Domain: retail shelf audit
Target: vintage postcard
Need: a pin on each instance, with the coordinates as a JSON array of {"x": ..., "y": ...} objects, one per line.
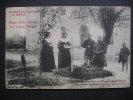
[{"x": 67, "y": 47}]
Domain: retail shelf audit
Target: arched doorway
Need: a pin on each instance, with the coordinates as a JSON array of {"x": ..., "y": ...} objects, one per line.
[{"x": 83, "y": 32}]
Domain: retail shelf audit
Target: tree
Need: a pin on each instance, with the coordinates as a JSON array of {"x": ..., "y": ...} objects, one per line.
[
  {"x": 106, "y": 17},
  {"x": 49, "y": 16},
  {"x": 109, "y": 18}
]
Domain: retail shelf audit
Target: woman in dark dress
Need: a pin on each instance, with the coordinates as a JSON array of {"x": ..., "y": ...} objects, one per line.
[
  {"x": 64, "y": 57},
  {"x": 47, "y": 55}
]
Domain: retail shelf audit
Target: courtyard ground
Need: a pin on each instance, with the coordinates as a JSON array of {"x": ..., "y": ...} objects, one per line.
[{"x": 119, "y": 78}]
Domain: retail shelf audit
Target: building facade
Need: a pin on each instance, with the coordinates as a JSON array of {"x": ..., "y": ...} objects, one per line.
[{"x": 77, "y": 30}]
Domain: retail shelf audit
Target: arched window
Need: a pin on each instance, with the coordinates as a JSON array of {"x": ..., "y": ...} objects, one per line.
[{"x": 83, "y": 32}]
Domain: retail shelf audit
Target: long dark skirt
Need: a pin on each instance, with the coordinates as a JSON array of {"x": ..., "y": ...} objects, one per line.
[
  {"x": 47, "y": 59},
  {"x": 64, "y": 58}
]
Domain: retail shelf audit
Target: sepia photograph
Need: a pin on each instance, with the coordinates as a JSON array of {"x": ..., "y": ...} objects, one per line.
[{"x": 67, "y": 47}]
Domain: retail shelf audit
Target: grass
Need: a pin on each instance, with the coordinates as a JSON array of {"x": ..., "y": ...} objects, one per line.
[
  {"x": 9, "y": 64},
  {"x": 35, "y": 81},
  {"x": 15, "y": 73}
]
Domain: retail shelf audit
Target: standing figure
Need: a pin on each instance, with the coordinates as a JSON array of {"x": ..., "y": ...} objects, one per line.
[
  {"x": 64, "y": 57},
  {"x": 99, "y": 53},
  {"x": 123, "y": 56},
  {"x": 88, "y": 45},
  {"x": 23, "y": 60},
  {"x": 47, "y": 55}
]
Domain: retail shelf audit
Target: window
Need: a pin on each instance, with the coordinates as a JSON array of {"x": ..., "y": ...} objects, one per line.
[{"x": 83, "y": 32}]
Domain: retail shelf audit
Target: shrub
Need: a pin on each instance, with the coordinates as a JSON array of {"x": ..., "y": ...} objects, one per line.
[{"x": 84, "y": 73}]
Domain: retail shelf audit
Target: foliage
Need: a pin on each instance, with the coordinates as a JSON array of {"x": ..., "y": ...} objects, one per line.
[
  {"x": 109, "y": 18},
  {"x": 16, "y": 42},
  {"x": 84, "y": 73},
  {"x": 15, "y": 73},
  {"x": 106, "y": 17},
  {"x": 49, "y": 16}
]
